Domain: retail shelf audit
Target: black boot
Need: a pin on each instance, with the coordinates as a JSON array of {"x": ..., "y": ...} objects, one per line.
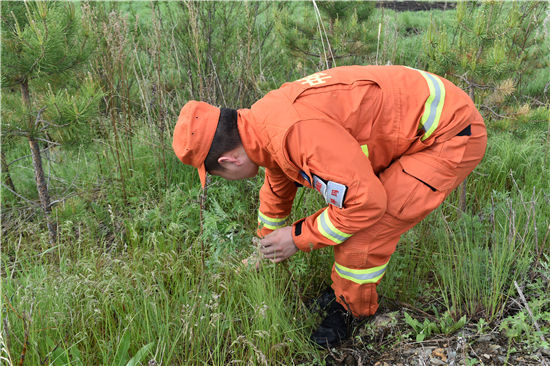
[
  {"x": 335, "y": 328},
  {"x": 323, "y": 302}
]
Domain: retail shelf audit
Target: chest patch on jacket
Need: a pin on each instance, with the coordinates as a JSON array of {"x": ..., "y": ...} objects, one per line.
[{"x": 334, "y": 193}]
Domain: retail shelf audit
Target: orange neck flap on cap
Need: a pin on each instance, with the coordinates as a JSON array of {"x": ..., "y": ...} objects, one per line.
[{"x": 193, "y": 134}]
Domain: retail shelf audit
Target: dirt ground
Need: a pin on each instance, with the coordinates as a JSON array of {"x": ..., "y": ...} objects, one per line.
[{"x": 387, "y": 339}]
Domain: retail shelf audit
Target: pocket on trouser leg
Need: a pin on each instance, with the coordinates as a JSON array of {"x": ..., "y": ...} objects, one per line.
[
  {"x": 410, "y": 198},
  {"x": 421, "y": 199},
  {"x": 438, "y": 166}
]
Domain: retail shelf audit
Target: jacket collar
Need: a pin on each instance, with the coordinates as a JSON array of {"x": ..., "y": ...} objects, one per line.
[{"x": 251, "y": 138}]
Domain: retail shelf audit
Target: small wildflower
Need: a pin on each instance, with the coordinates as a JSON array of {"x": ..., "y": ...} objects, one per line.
[{"x": 261, "y": 310}]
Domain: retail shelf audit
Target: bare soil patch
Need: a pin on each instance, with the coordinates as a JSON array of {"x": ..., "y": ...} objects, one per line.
[{"x": 387, "y": 340}]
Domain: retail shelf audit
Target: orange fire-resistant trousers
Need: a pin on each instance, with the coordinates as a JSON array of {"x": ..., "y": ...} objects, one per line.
[{"x": 409, "y": 201}]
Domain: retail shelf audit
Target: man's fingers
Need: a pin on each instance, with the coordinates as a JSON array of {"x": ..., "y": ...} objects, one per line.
[
  {"x": 269, "y": 251},
  {"x": 274, "y": 258},
  {"x": 278, "y": 245},
  {"x": 266, "y": 242},
  {"x": 267, "y": 247}
]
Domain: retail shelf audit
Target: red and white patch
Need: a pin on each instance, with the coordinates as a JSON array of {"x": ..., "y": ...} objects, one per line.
[
  {"x": 335, "y": 193},
  {"x": 319, "y": 185}
]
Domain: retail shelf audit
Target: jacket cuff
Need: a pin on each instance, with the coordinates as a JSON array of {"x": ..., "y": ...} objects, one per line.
[
  {"x": 300, "y": 239},
  {"x": 263, "y": 231}
]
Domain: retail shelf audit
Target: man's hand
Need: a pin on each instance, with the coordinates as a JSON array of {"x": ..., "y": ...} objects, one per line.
[{"x": 278, "y": 245}]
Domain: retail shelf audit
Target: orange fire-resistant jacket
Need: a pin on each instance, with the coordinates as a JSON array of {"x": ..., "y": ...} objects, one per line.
[{"x": 334, "y": 131}]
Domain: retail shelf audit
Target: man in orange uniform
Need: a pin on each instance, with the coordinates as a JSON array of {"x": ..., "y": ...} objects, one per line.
[{"x": 384, "y": 146}]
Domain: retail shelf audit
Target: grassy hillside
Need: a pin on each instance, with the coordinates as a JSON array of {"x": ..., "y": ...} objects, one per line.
[{"x": 147, "y": 268}]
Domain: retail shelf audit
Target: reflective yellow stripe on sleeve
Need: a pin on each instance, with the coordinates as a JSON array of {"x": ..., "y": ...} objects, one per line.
[
  {"x": 328, "y": 230},
  {"x": 271, "y": 223},
  {"x": 433, "y": 106},
  {"x": 361, "y": 276}
]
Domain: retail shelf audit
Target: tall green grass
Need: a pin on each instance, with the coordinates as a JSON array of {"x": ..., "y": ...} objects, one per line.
[
  {"x": 102, "y": 302},
  {"x": 477, "y": 264},
  {"x": 126, "y": 281},
  {"x": 480, "y": 255},
  {"x": 129, "y": 277}
]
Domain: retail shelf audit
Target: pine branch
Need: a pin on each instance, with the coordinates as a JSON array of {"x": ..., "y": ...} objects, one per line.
[
  {"x": 39, "y": 116},
  {"x": 18, "y": 195},
  {"x": 28, "y": 156}
]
